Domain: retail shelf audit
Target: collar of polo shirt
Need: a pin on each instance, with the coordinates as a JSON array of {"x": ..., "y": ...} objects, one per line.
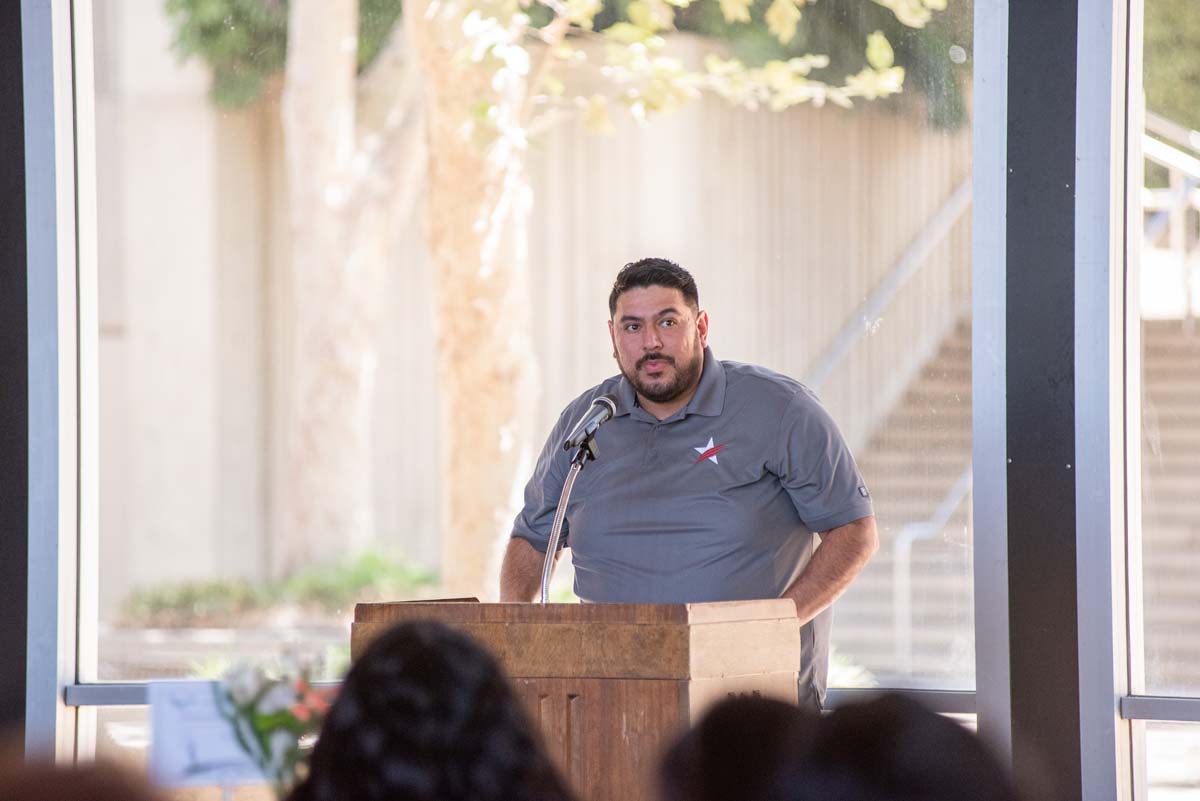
[{"x": 708, "y": 401}]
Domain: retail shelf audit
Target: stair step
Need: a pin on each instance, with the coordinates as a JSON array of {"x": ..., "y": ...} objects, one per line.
[
  {"x": 1166, "y": 537},
  {"x": 922, "y": 395},
  {"x": 955, "y": 419},
  {"x": 1174, "y": 376},
  {"x": 922, "y": 447},
  {"x": 956, "y": 441}
]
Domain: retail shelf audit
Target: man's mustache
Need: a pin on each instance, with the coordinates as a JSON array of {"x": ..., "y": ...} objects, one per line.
[{"x": 659, "y": 357}]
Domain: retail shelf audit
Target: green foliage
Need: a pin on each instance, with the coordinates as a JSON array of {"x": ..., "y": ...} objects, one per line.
[
  {"x": 329, "y": 589},
  {"x": 171, "y": 605},
  {"x": 1171, "y": 71},
  {"x": 244, "y": 42},
  {"x": 839, "y": 29},
  {"x": 275, "y": 718},
  {"x": 844, "y": 671},
  {"x": 1171, "y": 75},
  {"x": 340, "y": 585}
]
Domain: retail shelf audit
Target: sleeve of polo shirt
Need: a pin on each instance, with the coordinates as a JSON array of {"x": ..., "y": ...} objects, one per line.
[
  {"x": 536, "y": 518},
  {"x": 816, "y": 467}
]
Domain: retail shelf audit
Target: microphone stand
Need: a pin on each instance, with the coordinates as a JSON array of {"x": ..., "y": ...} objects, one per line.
[{"x": 584, "y": 454}]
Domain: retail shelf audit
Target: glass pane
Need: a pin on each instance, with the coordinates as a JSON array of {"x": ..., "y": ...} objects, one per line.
[
  {"x": 1170, "y": 292},
  {"x": 332, "y": 344},
  {"x": 1173, "y": 761},
  {"x": 904, "y": 395}
]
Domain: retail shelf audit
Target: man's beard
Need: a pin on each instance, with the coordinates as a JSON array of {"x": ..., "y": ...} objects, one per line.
[{"x": 664, "y": 393}]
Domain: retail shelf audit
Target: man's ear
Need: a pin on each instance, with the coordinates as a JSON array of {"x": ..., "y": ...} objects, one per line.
[
  {"x": 701, "y": 327},
  {"x": 612, "y": 336}
]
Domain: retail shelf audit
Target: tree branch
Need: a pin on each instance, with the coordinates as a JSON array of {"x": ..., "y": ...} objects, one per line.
[
  {"x": 319, "y": 92},
  {"x": 553, "y": 35},
  {"x": 391, "y": 128}
]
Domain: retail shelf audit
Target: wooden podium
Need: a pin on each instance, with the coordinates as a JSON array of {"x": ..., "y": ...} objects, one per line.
[{"x": 612, "y": 684}]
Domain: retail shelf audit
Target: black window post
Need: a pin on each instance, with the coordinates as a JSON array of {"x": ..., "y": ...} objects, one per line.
[{"x": 14, "y": 372}]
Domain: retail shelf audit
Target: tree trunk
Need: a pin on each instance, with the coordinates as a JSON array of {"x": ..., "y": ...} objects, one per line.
[
  {"x": 351, "y": 146},
  {"x": 328, "y": 507},
  {"x": 476, "y": 209}
]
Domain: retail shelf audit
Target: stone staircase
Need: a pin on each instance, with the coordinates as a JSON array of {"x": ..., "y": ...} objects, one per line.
[
  {"x": 921, "y": 450},
  {"x": 1171, "y": 505}
]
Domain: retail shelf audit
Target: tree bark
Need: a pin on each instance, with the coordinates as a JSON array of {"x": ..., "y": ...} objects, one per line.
[
  {"x": 476, "y": 209},
  {"x": 350, "y": 151}
]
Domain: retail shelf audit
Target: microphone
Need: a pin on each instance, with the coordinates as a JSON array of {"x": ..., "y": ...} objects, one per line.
[{"x": 600, "y": 412}]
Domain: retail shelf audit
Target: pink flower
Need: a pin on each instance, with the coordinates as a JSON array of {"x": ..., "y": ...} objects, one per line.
[
  {"x": 317, "y": 700},
  {"x": 301, "y": 712}
]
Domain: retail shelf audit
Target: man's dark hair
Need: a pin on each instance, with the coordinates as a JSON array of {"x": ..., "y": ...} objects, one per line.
[
  {"x": 425, "y": 714},
  {"x": 654, "y": 272}
]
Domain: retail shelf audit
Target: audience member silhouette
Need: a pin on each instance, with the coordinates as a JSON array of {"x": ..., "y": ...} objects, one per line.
[
  {"x": 48, "y": 782},
  {"x": 887, "y": 749},
  {"x": 739, "y": 751},
  {"x": 894, "y": 749},
  {"x": 425, "y": 714}
]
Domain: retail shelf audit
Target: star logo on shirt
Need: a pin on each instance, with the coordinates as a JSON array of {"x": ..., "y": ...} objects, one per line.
[{"x": 709, "y": 452}]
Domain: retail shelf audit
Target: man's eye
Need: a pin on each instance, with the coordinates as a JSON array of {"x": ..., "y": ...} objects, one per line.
[
  {"x": 631, "y": 327},
  {"x": 668, "y": 323}
]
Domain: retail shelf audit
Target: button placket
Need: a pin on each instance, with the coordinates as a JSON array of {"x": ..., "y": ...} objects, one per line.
[{"x": 650, "y": 454}]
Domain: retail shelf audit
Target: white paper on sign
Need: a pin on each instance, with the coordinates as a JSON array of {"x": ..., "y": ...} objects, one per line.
[{"x": 191, "y": 742}]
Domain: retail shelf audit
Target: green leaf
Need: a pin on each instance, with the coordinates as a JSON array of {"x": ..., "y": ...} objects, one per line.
[
  {"x": 913, "y": 13},
  {"x": 874, "y": 84},
  {"x": 627, "y": 33},
  {"x": 781, "y": 19},
  {"x": 583, "y": 12},
  {"x": 736, "y": 10},
  {"x": 879, "y": 51},
  {"x": 481, "y": 110},
  {"x": 595, "y": 115},
  {"x": 651, "y": 15}
]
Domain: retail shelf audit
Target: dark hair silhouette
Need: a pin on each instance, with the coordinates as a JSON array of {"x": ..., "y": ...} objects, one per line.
[
  {"x": 425, "y": 714},
  {"x": 43, "y": 781},
  {"x": 738, "y": 751},
  {"x": 654, "y": 272},
  {"x": 893, "y": 749}
]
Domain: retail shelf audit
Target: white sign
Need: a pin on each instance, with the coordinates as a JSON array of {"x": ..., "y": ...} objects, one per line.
[{"x": 192, "y": 743}]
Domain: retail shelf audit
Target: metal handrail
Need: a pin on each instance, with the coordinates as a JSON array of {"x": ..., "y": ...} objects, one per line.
[
  {"x": 902, "y": 566},
  {"x": 1168, "y": 207},
  {"x": 910, "y": 262},
  {"x": 1169, "y": 154},
  {"x": 1180, "y": 135}
]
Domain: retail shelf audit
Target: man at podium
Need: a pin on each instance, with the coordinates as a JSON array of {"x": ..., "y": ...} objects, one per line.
[{"x": 712, "y": 480}]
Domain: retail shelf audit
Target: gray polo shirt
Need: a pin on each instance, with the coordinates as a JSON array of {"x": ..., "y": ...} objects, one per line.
[{"x": 718, "y": 502}]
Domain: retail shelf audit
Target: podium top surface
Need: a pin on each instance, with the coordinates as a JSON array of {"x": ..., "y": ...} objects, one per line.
[
  {"x": 611, "y": 641},
  {"x": 629, "y": 614}
]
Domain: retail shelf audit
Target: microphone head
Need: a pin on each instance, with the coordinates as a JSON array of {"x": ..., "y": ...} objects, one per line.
[
  {"x": 608, "y": 399},
  {"x": 601, "y": 410}
]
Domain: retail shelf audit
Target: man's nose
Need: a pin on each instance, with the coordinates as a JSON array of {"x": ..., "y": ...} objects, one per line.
[{"x": 650, "y": 338}]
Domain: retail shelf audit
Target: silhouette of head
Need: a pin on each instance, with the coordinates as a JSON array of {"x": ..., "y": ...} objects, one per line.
[
  {"x": 43, "y": 781},
  {"x": 893, "y": 749},
  {"x": 738, "y": 751},
  {"x": 425, "y": 714}
]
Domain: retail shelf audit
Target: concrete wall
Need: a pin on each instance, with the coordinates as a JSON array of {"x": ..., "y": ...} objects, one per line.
[{"x": 180, "y": 205}]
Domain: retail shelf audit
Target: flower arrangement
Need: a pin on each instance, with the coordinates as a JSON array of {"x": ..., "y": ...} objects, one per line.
[{"x": 275, "y": 717}]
